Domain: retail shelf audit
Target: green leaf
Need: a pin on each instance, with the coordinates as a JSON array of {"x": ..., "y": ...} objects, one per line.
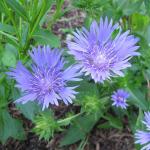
[
  {"x": 102, "y": 2},
  {"x": 24, "y": 35},
  {"x": 129, "y": 10},
  {"x": 140, "y": 126},
  {"x": 2, "y": 93},
  {"x": 64, "y": 11},
  {"x": 115, "y": 122},
  {"x": 147, "y": 34},
  {"x": 3, "y": 9},
  {"x": 28, "y": 109},
  {"x": 45, "y": 37},
  {"x": 121, "y": 4},
  {"x": 46, "y": 9},
  {"x": 87, "y": 22},
  {"x": 137, "y": 22},
  {"x": 49, "y": 4},
  {"x": 137, "y": 98},
  {"x": 75, "y": 132},
  {"x": 10, "y": 41},
  {"x": 9, "y": 59},
  {"x": 142, "y": 42},
  {"x": 7, "y": 28},
  {"x": 132, "y": 117},
  {"x": 10, "y": 127},
  {"x": 2, "y": 76},
  {"x": 17, "y": 8},
  {"x": 105, "y": 125},
  {"x": 147, "y": 6}
]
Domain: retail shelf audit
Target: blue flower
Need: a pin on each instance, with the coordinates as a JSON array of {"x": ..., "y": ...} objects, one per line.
[
  {"x": 120, "y": 98},
  {"x": 142, "y": 136},
  {"x": 47, "y": 82},
  {"x": 99, "y": 55}
]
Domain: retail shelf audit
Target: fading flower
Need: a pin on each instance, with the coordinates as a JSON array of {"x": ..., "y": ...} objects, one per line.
[
  {"x": 142, "y": 136},
  {"x": 119, "y": 98},
  {"x": 47, "y": 82},
  {"x": 69, "y": 37},
  {"x": 99, "y": 55}
]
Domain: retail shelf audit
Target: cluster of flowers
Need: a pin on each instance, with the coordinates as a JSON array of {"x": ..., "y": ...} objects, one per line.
[{"x": 97, "y": 54}]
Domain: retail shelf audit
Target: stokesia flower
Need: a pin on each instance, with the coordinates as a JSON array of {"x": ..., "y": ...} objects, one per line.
[
  {"x": 120, "y": 98},
  {"x": 142, "y": 136},
  {"x": 99, "y": 55},
  {"x": 47, "y": 82}
]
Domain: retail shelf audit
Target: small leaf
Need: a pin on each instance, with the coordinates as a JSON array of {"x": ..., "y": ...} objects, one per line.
[
  {"x": 129, "y": 10},
  {"x": 9, "y": 59},
  {"x": 87, "y": 22},
  {"x": 17, "y": 8},
  {"x": 10, "y": 127},
  {"x": 64, "y": 11},
  {"x": 7, "y": 28},
  {"x": 132, "y": 117},
  {"x": 115, "y": 122},
  {"x": 75, "y": 132},
  {"x": 2, "y": 76},
  {"x": 105, "y": 125},
  {"x": 24, "y": 35},
  {"x": 121, "y": 4},
  {"x": 137, "y": 98},
  {"x": 45, "y": 37}
]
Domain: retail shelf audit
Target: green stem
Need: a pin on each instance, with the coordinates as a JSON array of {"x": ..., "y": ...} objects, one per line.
[
  {"x": 56, "y": 14},
  {"x": 38, "y": 20},
  {"x": 92, "y": 15},
  {"x": 30, "y": 30},
  {"x": 34, "y": 12},
  {"x": 85, "y": 142},
  {"x": 130, "y": 19},
  {"x": 124, "y": 23},
  {"x": 14, "y": 24},
  {"x": 1, "y": 47},
  {"x": 20, "y": 24},
  {"x": 70, "y": 118}
]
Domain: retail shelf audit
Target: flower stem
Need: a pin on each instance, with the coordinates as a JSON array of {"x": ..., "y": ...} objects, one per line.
[{"x": 70, "y": 118}]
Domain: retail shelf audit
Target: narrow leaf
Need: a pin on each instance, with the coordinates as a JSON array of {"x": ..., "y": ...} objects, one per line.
[
  {"x": 129, "y": 10},
  {"x": 137, "y": 98},
  {"x": 45, "y": 37},
  {"x": 17, "y": 8},
  {"x": 9, "y": 59}
]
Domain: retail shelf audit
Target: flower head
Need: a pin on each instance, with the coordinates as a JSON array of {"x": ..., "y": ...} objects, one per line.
[
  {"x": 99, "y": 55},
  {"x": 142, "y": 136},
  {"x": 47, "y": 82},
  {"x": 120, "y": 98}
]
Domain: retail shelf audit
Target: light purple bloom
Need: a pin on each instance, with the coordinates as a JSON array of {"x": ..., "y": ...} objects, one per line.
[
  {"x": 47, "y": 82},
  {"x": 99, "y": 55},
  {"x": 119, "y": 98},
  {"x": 142, "y": 136}
]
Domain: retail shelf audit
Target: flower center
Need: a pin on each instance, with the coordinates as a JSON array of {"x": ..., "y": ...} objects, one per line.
[
  {"x": 46, "y": 81},
  {"x": 120, "y": 99}
]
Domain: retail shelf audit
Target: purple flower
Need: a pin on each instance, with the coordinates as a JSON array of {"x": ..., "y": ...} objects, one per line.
[
  {"x": 99, "y": 55},
  {"x": 142, "y": 136},
  {"x": 120, "y": 98},
  {"x": 47, "y": 82}
]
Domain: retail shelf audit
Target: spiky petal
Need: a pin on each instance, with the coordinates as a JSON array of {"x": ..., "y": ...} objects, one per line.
[
  {"x": 99, "y": 55},
  {"x": 142, "y": 136},
  {"x": 47, "y": 82}
]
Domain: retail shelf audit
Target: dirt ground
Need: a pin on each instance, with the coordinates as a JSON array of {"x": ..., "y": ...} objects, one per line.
[{"x": 99, "y": 139}]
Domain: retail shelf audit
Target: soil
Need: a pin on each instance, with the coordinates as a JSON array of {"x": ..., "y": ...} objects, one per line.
[{"x": 99, "y": 139}]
